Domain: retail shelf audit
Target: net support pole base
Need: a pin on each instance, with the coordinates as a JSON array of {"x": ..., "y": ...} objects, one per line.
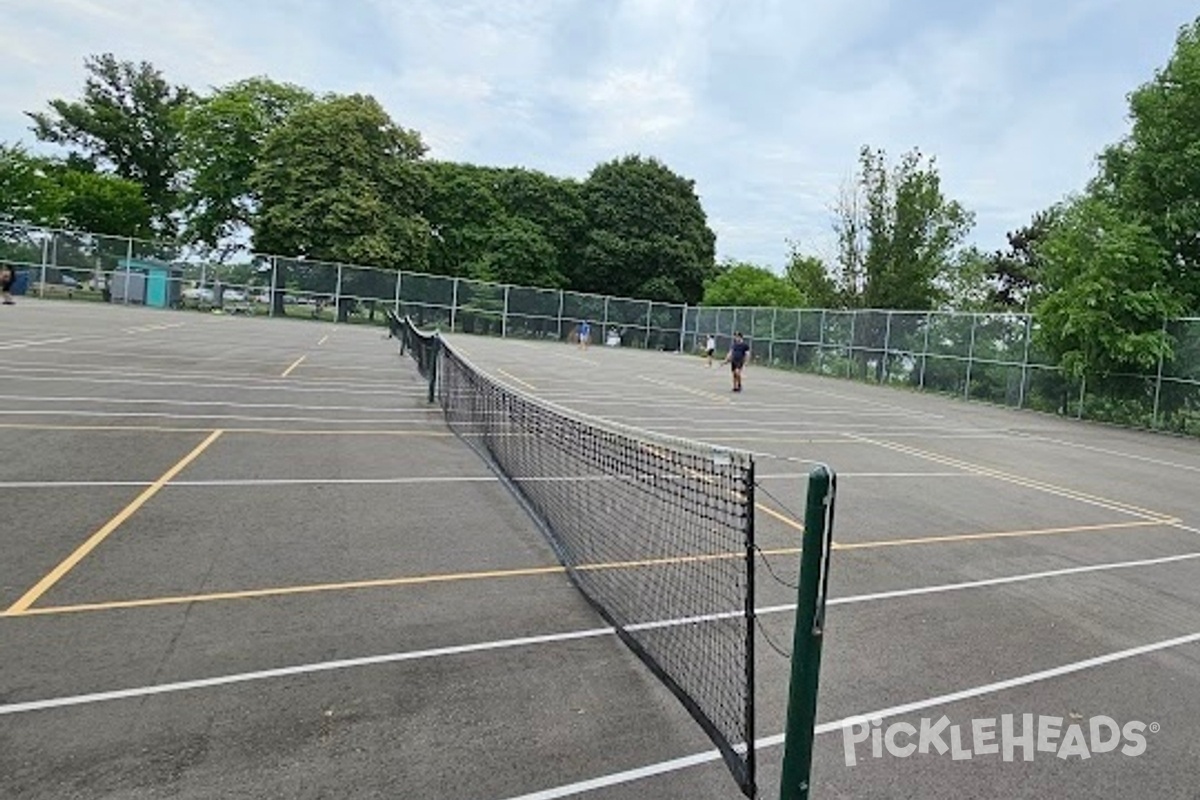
[{"x": 795, "y": 782}]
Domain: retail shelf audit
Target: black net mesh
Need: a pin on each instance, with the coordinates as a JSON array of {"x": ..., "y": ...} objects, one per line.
[{"x": 656, "y": 533}]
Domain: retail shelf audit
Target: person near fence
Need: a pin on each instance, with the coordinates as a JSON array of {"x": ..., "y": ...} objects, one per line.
[
  {"x": 585, "y": 334},
  {"x": 739, "y": 354},
  {"x": 8, "y": 276},
  {"x": 710, "y": 348}
]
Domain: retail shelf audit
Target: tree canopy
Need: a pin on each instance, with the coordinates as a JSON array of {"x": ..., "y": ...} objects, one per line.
[{"x": 128, "y": 119}]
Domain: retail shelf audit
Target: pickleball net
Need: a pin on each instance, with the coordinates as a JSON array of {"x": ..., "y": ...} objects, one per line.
[{"x": 656, "y": 532}]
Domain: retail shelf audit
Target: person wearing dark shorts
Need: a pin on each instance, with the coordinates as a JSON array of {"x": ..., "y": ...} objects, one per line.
[
  {"x": 739, "y": 352},
  {"x": 8, "y": 276}
]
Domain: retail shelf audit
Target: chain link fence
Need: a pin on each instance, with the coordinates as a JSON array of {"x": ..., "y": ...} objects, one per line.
[
  {"x": 989, "y": 357},
  {"x": 993, "y": 358},
  {"x": 82, "y": 266}
]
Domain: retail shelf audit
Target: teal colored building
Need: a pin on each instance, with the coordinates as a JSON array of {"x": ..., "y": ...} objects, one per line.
[{"x": 150, "y": 283}]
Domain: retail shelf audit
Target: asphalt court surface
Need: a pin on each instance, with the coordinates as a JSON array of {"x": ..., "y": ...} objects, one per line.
[{"x": 260, "y": 506}]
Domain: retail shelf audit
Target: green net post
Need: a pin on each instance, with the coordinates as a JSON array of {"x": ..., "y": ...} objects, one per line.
[
  {"x": 434, "y": 351},
  {"x": 809, "y": 635}
]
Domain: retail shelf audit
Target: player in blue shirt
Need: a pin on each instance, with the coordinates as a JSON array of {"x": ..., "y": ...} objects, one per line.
[
  {"x": 739, "y": 353},
  {"x": 585, "y": 334}
]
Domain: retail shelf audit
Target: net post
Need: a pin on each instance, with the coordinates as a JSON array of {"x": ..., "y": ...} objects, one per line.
[
  {"x": 435, "y": 350},
  {"x": 808, "y": 636}
]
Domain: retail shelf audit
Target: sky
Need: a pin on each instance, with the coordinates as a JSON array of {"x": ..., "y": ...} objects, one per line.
[{"x": 763, "y": 103}]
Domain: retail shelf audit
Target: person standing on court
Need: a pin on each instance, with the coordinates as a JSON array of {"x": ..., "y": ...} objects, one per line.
[
  {"x": 739, "y": 353},
  {"x": 8, "y": 276},
  {"x": 585, "y": 333},
  {"x": 710, "y": 347}
]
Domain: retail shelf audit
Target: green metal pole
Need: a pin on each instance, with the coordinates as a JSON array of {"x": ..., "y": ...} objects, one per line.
[
  {"x": 809, "y": 635},
  {"x": 433, "y": 365}
]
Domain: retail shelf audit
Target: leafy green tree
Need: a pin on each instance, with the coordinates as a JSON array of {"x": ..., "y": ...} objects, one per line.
[
  {"x": 1105, "y": 291},
  {"x": 223, "y": 138},
  {"x": 1013, "y": 275},
  {"x": 647, "y": 233},
  {"x": 812, "y": 278},
  {"x": 339, "y": 181},
  {"x": 128, "y": 121},
  {"x": 1154, "y": 174},
  {"x": 742, "y": 284},
  {"x": 21, "y": 186},
  {"x": 897, "y": 233},
  {"x": 462, "y": 208},
  {"x": 43, "y": 191},
  {"x": 516, "y": 252}
]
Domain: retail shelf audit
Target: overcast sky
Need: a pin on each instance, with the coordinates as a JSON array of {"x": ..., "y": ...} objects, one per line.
[{"x": 764, "y": 103}]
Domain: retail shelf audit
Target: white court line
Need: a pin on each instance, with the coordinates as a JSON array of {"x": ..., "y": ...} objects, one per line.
[
  {"x": 503, "y": 644},
  {"x": 399, "y": 391},
  {"x": 676, "y": 764},
  {"x": 234, "y": 417},
  {"x": 205, "y": 403},
  {"x": 234, "y": 482},
  {"x": 280, "y": 384},
  {"x": 1115, "y": 453},
  {"x": 96, "y": 356},
  {"x": 32, "y": 343}
]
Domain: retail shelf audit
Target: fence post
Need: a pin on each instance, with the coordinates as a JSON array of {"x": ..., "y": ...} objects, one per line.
[
  {"x": 683, "y": 329},
  {"x": 604, "y": 323},
  {"x": 128, "y": 265},
  {"x": 850, "y": 360},
  {"x": 1082, "y": 395},
  {"x": 649, "y": 320},
  {"x": 561, "y": 296},
  {"x": 821, "y": 345},
  {"x": 274, "y": 286},
  {"x": 453, "y": 305},
  {"x": 337, "y": 296},
  {"x": 1159, "y": 379},
  {"x": 1025, "y": 361},
  {"x": 504, "y": 317},
  {"x": 887, "y": 348},
  {"x": 925, "y": 350},
  {"x": 970, "y": 358},
  {"x": 45, "y": 252},
  {"x": 808, "y": 636},
  {"x": 396, "y": 309},
  {"x": 771, "y": 341}
]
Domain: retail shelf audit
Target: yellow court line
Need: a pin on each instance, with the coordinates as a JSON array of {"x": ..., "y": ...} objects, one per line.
[
  {"x": 512, "y": 377},
  {"x": 1028, "y": 483},
  {"x": 784, "y": 518},
  {"x": 295, "y": 364},
  {"x": 56, "y": 574},
  {"x": 969, "y": 537},
  {"x": 421, "y": 580}
]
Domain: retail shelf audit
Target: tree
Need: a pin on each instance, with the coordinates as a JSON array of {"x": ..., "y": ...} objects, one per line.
[
  {"x": 339, "y": 181},
  {"x": 647, "y": 234},
  {"x": 742, "y": 284},
  {"x": 21, "y": 186},
  {"x": 516, "y": 252},
  {"x": 128, "y": 121},
  {"x": 43, "y": 191},
  {"x": 223, "y": 138},
  {"x": 1154, "y": 173},
  {"x": 1105, "y": 291},
  {"x": 897, "y": 233},
  {"x": 811, "y": 277},
  {"x": 1013, "y": 275}
]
